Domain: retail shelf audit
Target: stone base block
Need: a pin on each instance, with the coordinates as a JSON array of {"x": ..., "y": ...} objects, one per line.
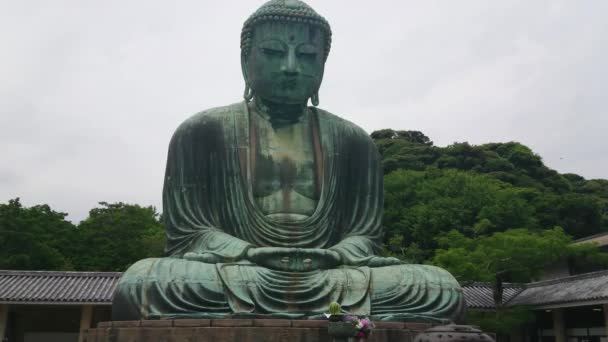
[{"x": 238, "y": 330}]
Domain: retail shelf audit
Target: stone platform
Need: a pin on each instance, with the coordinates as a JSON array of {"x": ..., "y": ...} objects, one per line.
[{"x": 239, "y": 330}]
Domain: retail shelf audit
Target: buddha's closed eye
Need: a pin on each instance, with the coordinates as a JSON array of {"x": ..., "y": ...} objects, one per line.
[{"x": 273, "y": 52}]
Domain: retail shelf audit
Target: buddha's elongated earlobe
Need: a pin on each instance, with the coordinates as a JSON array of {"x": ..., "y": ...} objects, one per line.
[
  {"x": 248, "y": 94},
  {"x": 315, "y": 99}
]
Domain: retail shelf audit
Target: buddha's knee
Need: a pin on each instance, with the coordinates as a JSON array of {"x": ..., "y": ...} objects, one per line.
[
  {"x": 127, "y": 299},
  {"x": 410, "y": 275},
  {"x": 416, "y": 292},
  {"x": 140, "y": 268},
  {"x": 440, "y": 276}
]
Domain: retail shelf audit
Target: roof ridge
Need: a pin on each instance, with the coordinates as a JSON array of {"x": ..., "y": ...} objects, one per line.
[
  {"x": 59, "y": 273},
  {"x": 567, "y": 279},
  {"x": 488, "y": 284},
  {"x": 520, "y": 290},
  {"x": 590, "y": 237}
]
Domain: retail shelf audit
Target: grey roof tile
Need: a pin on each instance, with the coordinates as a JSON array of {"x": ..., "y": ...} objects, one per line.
[
  {"x": 480, "y": 295},
  {"x": 57, "y": 287},
  {"x": 580, "y": 288}
]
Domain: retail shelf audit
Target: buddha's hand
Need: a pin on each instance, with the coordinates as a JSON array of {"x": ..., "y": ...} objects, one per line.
[
  {"x": 294, "y": 259},
  {"x": 206, "y": 257},
  {"x": 377, "y": 261}
]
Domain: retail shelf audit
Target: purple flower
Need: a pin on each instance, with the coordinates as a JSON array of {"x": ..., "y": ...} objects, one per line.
[{"x": 350, "y": 318}]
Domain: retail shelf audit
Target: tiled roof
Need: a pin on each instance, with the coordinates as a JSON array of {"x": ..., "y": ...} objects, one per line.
[
  {"x": 589, "y": 287},
  {"x": 480, "y": 295},
  {"x": 49, "y": 287}
]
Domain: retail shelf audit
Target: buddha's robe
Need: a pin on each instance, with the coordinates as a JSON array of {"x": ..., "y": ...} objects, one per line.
[{"x": 210, "y": 208}]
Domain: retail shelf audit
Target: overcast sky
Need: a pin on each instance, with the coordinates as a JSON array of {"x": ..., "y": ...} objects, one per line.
[{"x": 91, "y": 91}]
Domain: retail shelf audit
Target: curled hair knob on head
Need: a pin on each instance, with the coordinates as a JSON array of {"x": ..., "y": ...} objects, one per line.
[{"x": 284, "y": 11}]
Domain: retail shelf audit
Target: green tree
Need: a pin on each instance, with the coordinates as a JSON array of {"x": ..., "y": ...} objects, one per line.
[
  {"x": 410, "y": 150},
  {"x": 579, "y": 214},
  {"x": 33, "y": 238},
  {"x": 526, "y": 194},
  {"x": 461, "y": 156},
  {"x": 114, "y": 236},
  {"x": 515, "y": 255},
  {"x": 420, "y": 205},
  {"x": 415, "y": 137}
]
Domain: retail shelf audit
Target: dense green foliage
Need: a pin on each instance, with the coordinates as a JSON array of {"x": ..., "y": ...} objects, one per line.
[
  {"x": 113, "y": 237},
  {"x": 478, "y": 190},
  {"x": 516, "y": 255},
  {"x": 122, "y": 233},
  {"x": 421, "y": 205},
  {"x": 33, "y": 238}
]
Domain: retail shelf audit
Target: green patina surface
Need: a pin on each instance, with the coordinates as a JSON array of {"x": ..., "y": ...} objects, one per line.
[{"x": 274, "y": 208}]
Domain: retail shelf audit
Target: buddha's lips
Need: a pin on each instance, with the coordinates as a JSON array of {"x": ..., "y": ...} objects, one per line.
[{"x": 288, "y": 83}]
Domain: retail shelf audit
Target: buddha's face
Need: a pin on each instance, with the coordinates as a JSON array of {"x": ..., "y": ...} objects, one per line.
[{"x": 286, "y": 61}]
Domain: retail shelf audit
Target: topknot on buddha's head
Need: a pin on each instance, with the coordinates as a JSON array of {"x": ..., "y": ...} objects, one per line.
[{"x": 287, "y": 11}]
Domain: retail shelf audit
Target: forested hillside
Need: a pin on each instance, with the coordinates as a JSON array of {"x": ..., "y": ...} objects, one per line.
[
  {"x": 478, "y": 191},
  {"x": 440, "y": 202}
]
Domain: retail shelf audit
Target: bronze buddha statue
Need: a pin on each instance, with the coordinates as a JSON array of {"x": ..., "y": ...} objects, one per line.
[{"x": 274, "y": 208}]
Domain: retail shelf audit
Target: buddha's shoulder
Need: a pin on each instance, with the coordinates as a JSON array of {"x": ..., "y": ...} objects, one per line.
[
  {"x": 213, "y": 118},
  {"x": 327, "y": 118}
]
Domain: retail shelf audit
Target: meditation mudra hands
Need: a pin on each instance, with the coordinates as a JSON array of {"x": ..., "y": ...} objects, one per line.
[{"x": 294, "y": 259}]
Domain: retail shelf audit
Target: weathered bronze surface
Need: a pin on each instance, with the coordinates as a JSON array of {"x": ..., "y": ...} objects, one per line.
[{"x": 273, "y": 207}]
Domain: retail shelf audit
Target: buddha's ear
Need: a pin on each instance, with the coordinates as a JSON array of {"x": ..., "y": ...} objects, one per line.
[
  {"x": 249, "y": 93},
  {"x": 244, "y": 66}
]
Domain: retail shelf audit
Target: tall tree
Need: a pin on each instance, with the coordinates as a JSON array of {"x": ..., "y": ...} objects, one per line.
[
  {"x": 420, "y": 205},
  {"x": 516, "y": 255},
  {"x": 114, "y": 236},
  {"x": 33, "y": 238}
]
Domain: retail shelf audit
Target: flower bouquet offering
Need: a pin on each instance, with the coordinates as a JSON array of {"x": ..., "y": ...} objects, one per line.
[
  {"x": 363, "y": 325},
  {"x": 343, "y": 325}
]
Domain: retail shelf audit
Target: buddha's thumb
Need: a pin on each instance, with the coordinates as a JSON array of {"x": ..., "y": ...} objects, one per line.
[{"x": 202, "y": 257}]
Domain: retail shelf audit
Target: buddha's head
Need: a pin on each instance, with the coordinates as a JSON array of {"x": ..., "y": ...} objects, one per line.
[{"x": 284, "y": 45}]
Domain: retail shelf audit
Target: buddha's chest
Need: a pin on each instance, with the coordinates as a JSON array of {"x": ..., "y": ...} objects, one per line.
[{"x": 283, "y": 166}]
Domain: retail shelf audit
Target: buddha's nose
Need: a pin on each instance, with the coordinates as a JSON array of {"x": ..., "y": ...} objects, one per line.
[{"x": 290, "y": 65}]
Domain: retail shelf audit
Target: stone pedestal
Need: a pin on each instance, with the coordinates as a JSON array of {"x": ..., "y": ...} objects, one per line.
[{"x": 239, "y": 330}]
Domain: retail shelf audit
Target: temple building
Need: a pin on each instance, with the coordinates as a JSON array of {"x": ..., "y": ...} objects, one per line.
[
  {"x": 49, "y": 306},
  {"x": 569, "y": 302}
]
